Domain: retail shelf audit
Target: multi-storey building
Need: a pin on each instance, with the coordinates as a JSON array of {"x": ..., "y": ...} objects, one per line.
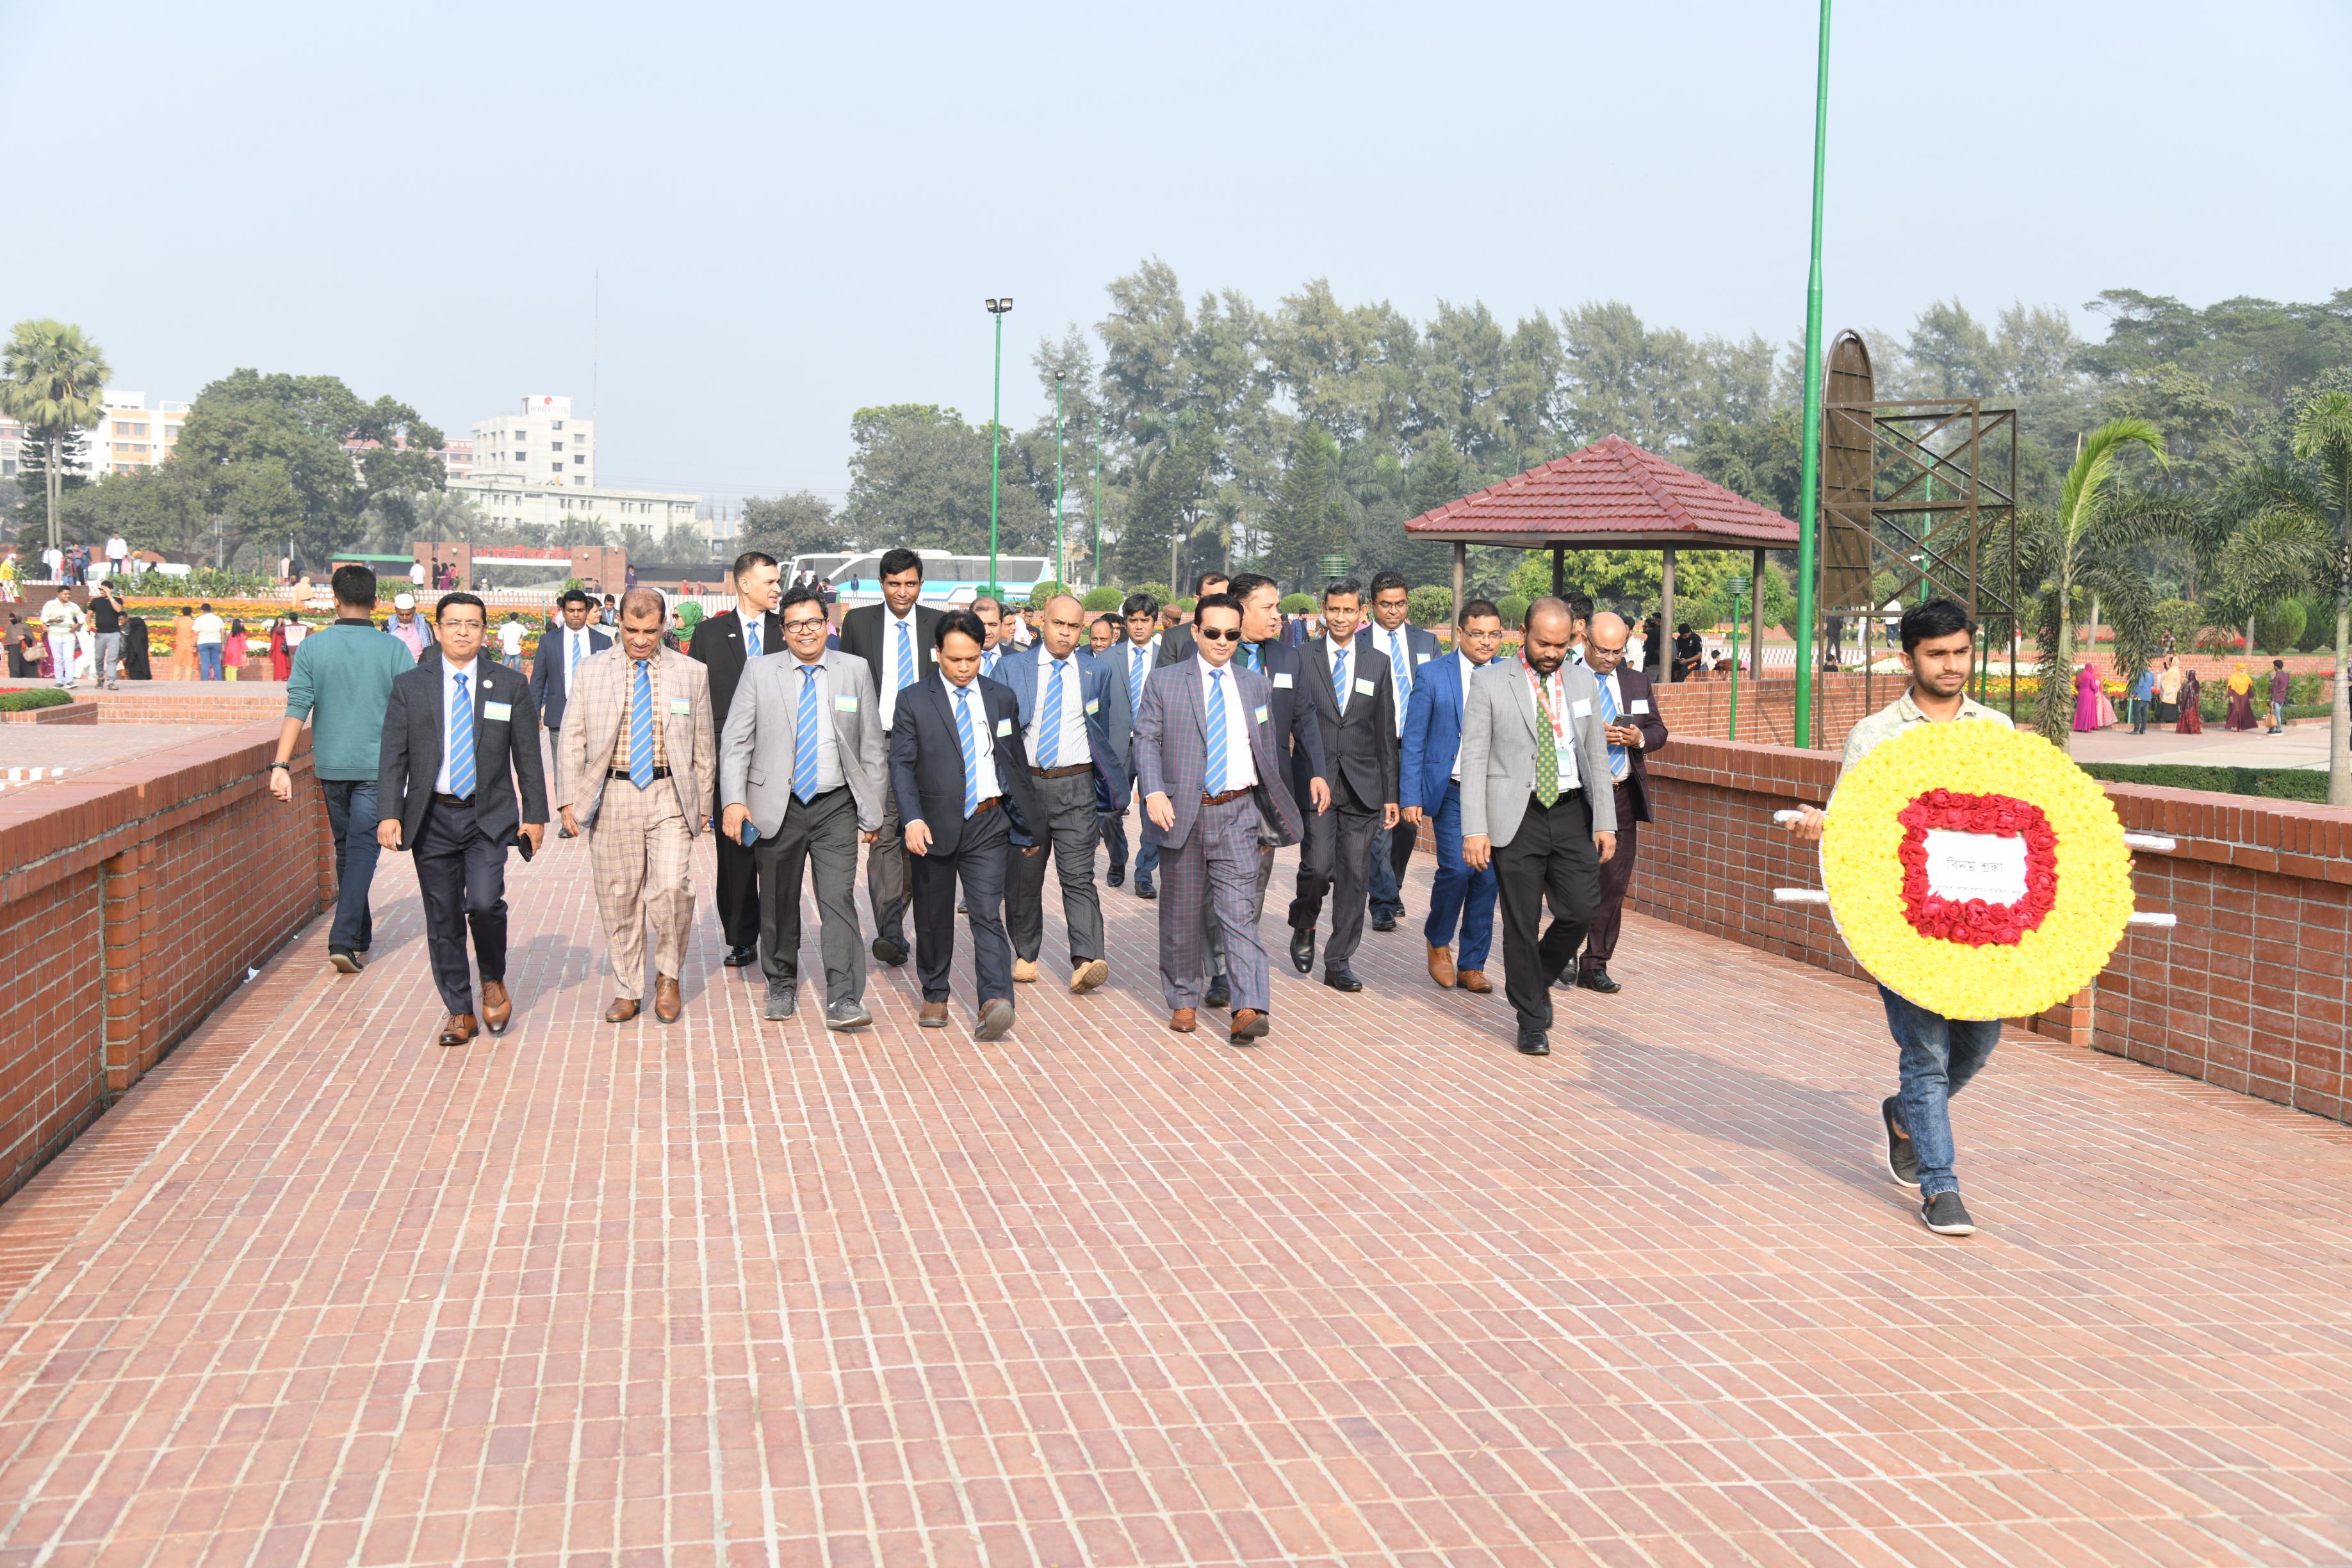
[
  {"x": 131, "y": 435},
  {"x": 541, "y": 445}
]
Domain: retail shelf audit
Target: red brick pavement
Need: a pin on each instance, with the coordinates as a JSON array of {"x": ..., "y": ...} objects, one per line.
[{"x": 1379, "y": 1292}]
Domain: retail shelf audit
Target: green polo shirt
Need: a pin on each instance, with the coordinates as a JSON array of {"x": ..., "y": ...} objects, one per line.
[{"x": 341, "y": 682}]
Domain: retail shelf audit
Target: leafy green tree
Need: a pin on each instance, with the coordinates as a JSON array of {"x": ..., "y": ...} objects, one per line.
[
  {"x": 1299, "y": 531},
  {"x": 2081, "y": 547},
  {"x": 54, "y": 378},
  {"x": 2323, "y": 437},
  {"x": 799, "y": 522},
  {"x": 919, "y": 476}
]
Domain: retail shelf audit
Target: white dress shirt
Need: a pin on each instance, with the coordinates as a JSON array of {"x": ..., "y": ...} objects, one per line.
[
  {"x": 1554, "y": 693},
  {"x": 1074, "y": 745},
  {"x": 890, "y": 635},
  {"x": 472, "y": 670},
  {"x": 576, "y": 647},
  {"x": 829, "y": 775},
  {"x": 984, "y": 739},
  {"x": 1241, "y": 767},
  {"x": 1468, "y": 669},
  {"x": 1400, "y": 670},
  {"x": 1354, "y": 648}
]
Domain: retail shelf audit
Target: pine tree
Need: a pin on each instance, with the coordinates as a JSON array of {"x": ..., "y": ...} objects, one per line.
[{"x": 1300, "y": 527}]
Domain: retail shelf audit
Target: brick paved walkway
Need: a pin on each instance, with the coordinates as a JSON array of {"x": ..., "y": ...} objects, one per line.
[{"x": 1381, "y": 1293}]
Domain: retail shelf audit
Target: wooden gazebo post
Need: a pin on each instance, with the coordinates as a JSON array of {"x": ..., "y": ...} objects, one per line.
[
  {"x": 1756, "y": 610},
  {"x": 1461, "y": 561},
  {"x": 1665, "y": 618}
]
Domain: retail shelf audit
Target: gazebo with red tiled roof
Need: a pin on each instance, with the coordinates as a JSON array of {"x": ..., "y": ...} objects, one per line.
[{"x": 1611, "y": 495}]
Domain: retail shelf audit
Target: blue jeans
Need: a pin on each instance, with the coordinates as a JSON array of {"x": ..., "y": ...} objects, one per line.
[
  {"x": 1457, "y": 893},
  {"x": 1146, "y": 845},
  {"x": 1939, "y": 1056},
  {"x": 351, "y": 818},
  {"x": 208, "y": 661}
]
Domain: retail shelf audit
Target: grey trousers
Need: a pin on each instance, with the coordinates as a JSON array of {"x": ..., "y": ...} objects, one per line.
[
  {"x": 1212, "y": 930},
  {"x": 1211, "y": 872},
  {"x": 1335, "y": 858},
  {"x": 1072, "y": 830},
  {"x": 823, "y": 831},
  {"x": 886, "y": 868},
  {"x": 110, "y": 651}
]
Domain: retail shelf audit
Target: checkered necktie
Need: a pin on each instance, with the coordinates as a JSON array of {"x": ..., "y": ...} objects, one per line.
[
  {"x": 641, "y": 729},
  {"x": 461, "y": 741},
  {"x": 970, "y": 753},
  {"x": 1217, "y": 785},
  {"x": 1617, "y": 762},
  {"x": 1049, "y": 718},
  {"x": 804, "y": 742}
]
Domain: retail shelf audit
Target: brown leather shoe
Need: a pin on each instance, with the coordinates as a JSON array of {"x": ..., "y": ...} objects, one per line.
[
  {"x": 497, "y": 1006},
  {"x": 667, "y": 1002},
  {"x": 1474, "y": 979},
  {"x": 623, "y": 1009},
  {"x": 1088, "y": 976},
  {"x": 1441, "y": 966},
  {"x": 1184, "y": 1021},
  {"x": 1249, "y": 1025},
  {"x": 934, "y": 1016},
  {"x": 459, "y": 1030},
  {"x": 1025, "y": 970}
]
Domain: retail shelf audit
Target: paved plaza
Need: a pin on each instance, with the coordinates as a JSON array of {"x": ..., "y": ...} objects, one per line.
[{"x": 1382, "y": 1291}]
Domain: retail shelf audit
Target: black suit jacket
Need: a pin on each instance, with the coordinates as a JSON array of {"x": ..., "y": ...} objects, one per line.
[
  {"x": 1297, "y": 734},
  {"x": 1635, "y": 687},
  {"x": 548, "y": 676},
  {"x": 926, "y": 761},
  {"x": 718, "y": 644},
  {"x": 1175, "y": 646},
  {"x": 861, "y": 635},
  {"x": 1360, "y": 745},
  {"x": 411, "y": 757}
]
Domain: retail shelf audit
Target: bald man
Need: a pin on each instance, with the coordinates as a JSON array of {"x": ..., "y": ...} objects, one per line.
[{"x": 1628, "y": 711}]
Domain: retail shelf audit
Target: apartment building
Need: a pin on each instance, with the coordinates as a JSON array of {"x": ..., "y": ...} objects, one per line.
[
  {"x": 131, "y": 435},
  {"x": 540, "y": 444}
]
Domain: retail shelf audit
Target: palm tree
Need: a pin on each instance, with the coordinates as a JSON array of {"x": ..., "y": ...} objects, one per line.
[
  {"x": 2323, "y": 435},
  {"x": 54, "y": 378},
  {"x": 2080, "y": 549}
]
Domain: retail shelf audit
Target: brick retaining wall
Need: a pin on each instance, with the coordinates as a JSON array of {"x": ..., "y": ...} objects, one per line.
[
  {"x": 2250, "y": 992},
  {"x": 133, "y": 898}
]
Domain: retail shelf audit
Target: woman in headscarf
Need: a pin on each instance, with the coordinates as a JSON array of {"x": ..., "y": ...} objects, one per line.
[
  {"x": 2167, "y": 691},
  {"x": 2192, "y": 722},
  {"x": 134, "y": 650},
  {"x": 2241, "y": 700},
  {"x": 2087, "y": 698}
]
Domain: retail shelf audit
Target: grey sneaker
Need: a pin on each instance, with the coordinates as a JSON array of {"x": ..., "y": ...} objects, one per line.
[
  {"x": 780, "y": 1000},
  {"x": 1902, "y": 1159},
  {"x": 846, "y": 1016},
  {"x": 1946, "y": 1215}
]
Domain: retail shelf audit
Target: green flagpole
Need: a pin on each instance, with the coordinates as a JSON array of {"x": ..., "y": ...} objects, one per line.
[{"x": 1809, "y": 489}]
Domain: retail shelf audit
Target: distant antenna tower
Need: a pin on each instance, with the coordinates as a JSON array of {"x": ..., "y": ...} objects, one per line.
[{"x": 596, "y": 346}]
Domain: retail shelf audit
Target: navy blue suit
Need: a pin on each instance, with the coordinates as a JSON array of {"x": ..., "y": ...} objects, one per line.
[
  {"x": 1432, "y": 740},
  {"x": 551, "y": 677},
  {"x": 1392, "y": 852}
]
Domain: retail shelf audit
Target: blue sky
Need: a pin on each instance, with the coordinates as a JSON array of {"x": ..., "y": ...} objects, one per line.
[{"x": 797, "y": 211}]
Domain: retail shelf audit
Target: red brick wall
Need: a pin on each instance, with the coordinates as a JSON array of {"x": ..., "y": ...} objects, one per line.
[
  {"x": 2250, "y": 992},
  {"x": 1702, "y": 709},
  {"x": 132, "y": 900}
]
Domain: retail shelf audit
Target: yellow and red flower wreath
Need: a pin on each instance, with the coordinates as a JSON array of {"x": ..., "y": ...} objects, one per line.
[{"x": 2041, "y": 818}]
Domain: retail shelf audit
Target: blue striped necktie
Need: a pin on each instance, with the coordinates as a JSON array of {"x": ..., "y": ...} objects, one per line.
[
  {"x": 905, "y": 654},
  {"x": 1617, "y": 762},
  {"x": 971, "y": 755},
  {"x": 1339, "y": 678},
  {"x": 461, "y": 741},
  {"x": 1216, "y": 779},
  {"x": 573, "y": 668},
  {"x": 641, "y": 729},
  {"x": 1403, "y": 674},
  {"x": 751, "y": 637},
  {"x": 1136, "y": 657},
  {"x": 1049, "y": 718},
  {"x": 805, "y": 738}
]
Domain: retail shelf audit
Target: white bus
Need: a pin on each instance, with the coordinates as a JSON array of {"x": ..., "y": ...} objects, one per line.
[{"x": 949, "y": 579}]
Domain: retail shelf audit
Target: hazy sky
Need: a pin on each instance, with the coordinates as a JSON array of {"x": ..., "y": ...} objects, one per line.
[{"x": 797, "y": 211}]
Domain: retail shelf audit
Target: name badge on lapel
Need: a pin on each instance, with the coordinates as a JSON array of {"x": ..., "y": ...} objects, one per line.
[
  {"x": 1580, "y": 709},
  {"x": 1639, "y": 705},
  {"x": 1364, "y": 688},
  {"x": 500, "y": 712},
  {"x": 1094, "y": 704},
  {"x": 845, "y": 704},
  {"x": 1004, "y": 726},
  {"x": 1281, "y": 681},
  {"x": 680, "y": 705},
  {"x": 1261, "y": 715}
]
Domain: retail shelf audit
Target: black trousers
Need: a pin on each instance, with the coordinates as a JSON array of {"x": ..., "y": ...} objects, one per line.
[
  {"x": 1335, "y": 856},
  {"x": 979, "y": 864},
  {"x": 824, "y": 832},
  {"x": 1551, "y": 859},
  {"x": 462, "y": 872},
  {"x": 1616, "y": 876},
  {"x": 739, "y": 887}
]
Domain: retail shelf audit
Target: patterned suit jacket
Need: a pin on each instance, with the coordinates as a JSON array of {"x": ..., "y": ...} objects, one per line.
[
  {"x": 1171, "y": 747},
  {"x": 591, "y": 727}
]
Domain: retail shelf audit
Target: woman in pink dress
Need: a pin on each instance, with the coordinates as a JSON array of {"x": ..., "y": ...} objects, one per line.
[{"x": 2087, "y": 698}]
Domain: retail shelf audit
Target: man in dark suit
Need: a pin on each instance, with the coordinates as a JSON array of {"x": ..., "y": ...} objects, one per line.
[
  {"x": 1429, "y": 790},
  {"x": 1297, "y": 747},
  {"x": 960, "y": 772},
  {"x": 725, "y": 644},
  {"x": 1628, "y": 709},
  {"x": 1134, "y": 657},
  {"x": 1409, "y": 647},
  {"x": 450, "y": 771},
  {"x": 1356, "y": 704},
  {"x": 1068, "y": 708},
  {"x": 1210, "y": 767},
  {"x": 553, "y": 666},
  {"x": 898, "y": 639},
  {"x": 1177, "y": 644}
]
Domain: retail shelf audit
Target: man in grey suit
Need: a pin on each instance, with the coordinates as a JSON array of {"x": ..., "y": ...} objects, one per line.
[
  {"x": 1207, "y": 761},
  {"x": 1533, "y": 740},
  {"x": 801, "y": 765}
]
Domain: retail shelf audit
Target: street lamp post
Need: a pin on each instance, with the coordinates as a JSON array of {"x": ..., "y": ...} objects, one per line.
[
  {"x": 1809, "y": 488},
  {"x": 997, "y": 308},
  {"x": 1061, "y": 551},
  {"x": 1097, "y": 583}
]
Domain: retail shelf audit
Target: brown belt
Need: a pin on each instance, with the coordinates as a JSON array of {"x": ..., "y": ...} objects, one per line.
[
  {"x": 1073, "y": 771},
  {"x": 1229, "y": 795},
  {"x": 985, "y": 805}
]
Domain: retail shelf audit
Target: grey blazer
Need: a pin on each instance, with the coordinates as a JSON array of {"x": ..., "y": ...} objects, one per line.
[
  {"x": 755, "y": 753},
  {"x": 1498, "y": 749}
]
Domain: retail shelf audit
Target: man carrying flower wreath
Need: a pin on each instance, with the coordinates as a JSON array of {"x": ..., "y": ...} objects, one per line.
[{"x": 1938, "y": 1055}]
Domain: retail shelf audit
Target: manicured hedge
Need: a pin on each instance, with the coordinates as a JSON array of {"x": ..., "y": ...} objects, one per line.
[
  {"x": 18, "y": 700},
  {"x": 2276, "y": 784}
]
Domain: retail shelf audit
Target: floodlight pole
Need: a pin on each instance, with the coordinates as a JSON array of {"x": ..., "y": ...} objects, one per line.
[
  {"x": 1097, "y": 514},
  {"x": 997, "y": 308},
  {"x": 1061, "y": 549},
  {"x": 1809, "y": 489}
]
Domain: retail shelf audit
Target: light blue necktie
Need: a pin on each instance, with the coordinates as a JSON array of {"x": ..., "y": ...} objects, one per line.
[
  {"x": 804, "y": 740},
  {"x": 1249, "y": 652},
  {"x": 573, "y": 668},
  {"x": 1049, "y": 718},
  {"x": 1404, "y": 676},
  {"x": 751, "y": 637},
  {"x": 971, "y": 755},
  {"x": 1617, "y": 763},
  {"x": 641, "y": 729},
  {"x": 461, "y": 742},
  {"x": 1135, "y": 678},
  {"x": 905, "y": 655},
  {"x": 1216, "y": 783},
  {"x": 1339, "y": 680}
]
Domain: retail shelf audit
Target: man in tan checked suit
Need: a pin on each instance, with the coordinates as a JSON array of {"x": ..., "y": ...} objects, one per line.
[{"x": 639, "y": 760}]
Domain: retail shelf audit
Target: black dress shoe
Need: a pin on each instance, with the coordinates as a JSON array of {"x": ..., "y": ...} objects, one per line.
[
  {"x": 740, "y": 957},
  {"x": 1534, "y": 1043},
  {"x": 1342, "y": 979},
  {"x": 1598, "y": 980},
  {"x": 1118, "y": 876},
  {"x": 889, "y": 950},
  {"x": 1144, "y": 889},
  {"x": 1385, "y": 923},
  {"x": 1219, "y": 994},
  {"x": 565, "y": 832},
  {"x": 1302, "y": 950}
]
